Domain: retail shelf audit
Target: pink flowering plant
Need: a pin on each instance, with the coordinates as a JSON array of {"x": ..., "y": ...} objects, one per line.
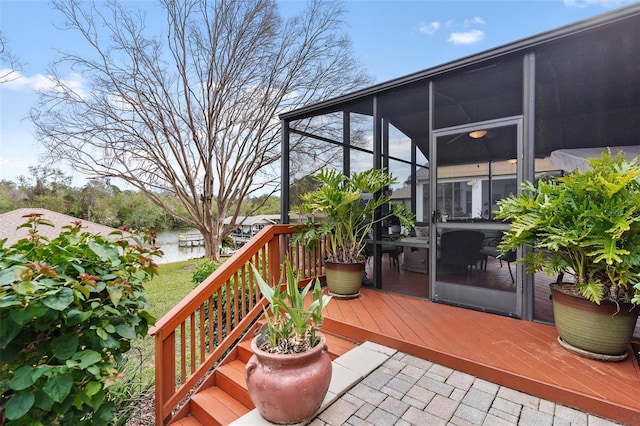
[{"x": 70, "y": 307}]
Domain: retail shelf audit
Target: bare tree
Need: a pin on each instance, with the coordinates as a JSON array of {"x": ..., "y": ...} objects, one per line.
[
  {"x": 9, "y": 64},
  {"x": 192, "y": 112}
]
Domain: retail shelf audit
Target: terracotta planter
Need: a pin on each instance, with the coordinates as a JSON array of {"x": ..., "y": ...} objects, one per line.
[
  {"x": 344, "y": 279},
  {"x": 288, "y": 389},
  {"x": 594, "y": 331}
]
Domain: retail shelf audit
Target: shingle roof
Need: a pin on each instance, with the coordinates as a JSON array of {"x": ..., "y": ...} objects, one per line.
[{"x": 10, "y": 221}]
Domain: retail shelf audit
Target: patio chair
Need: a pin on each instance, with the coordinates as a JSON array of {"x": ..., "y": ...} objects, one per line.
[
  {"x": 461, "y": 248},
  {"x": 491, "y": 249}
]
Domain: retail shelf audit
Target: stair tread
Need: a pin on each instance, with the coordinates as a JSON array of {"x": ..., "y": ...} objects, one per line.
[
  {"x": 234, "y": 370},
  {"x": 337, "y": 345},
  {"x": 187, "y": 421},
  {"x": 244, "y": 350},
  {"x": 219, "y": 405}
]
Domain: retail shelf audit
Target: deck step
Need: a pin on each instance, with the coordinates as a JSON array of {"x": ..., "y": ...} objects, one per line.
[
  {"x": 187, "y": 421},
  {"x": 230, "y": 378},
  {"x": 337, "y": 345},
  {"x": 229, "y": 399},
  {"x": 213, "y": 406}
]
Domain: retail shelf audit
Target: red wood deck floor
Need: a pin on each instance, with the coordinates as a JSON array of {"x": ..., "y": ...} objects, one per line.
[{"x": 518, "y": 354}]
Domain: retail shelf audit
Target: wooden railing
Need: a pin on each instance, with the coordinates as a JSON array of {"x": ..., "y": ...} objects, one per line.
[{"x": 194, "y": 336}]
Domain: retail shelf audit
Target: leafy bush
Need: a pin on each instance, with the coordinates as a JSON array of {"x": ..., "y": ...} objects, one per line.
[
  {"x": 203, "y": 270},
  {"x": 69, "y": 309}
]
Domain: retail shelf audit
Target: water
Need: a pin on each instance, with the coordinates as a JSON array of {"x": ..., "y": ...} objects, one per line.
[{"x": 168, "y": 242}]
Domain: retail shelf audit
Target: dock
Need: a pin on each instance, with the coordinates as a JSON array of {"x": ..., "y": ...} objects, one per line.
[{"x": 193, "y": 239}]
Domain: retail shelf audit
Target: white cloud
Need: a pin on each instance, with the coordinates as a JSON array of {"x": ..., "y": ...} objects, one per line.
[
  {"x": 603, "y": 3},
  {"x": 475, "y": 21},
  {"x": 18, "y": 81},
  {"x": 430, "y": 28},
  {"x": 469, "y": 37}
]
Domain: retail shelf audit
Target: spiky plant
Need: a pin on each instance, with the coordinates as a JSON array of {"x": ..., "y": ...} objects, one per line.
[{"x": 290, "y": 327}]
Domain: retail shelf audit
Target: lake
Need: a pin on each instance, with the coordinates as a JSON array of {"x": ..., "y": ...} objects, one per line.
[{"x": 168, "y": 242}]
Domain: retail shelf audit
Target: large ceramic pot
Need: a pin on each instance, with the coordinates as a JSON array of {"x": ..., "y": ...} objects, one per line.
[
  {"x": 288, "y": 389},
  {"x": 594, "y": 331},
  {"x": 344, "y": 279}
]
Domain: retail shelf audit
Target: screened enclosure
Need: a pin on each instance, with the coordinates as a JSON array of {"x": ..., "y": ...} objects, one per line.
[{"x": 462, "y": 136}]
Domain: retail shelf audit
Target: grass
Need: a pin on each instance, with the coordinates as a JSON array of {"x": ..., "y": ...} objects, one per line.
[{"x": 169, "y": 287}]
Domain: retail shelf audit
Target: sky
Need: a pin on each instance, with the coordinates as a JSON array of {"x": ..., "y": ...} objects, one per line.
[{"x": 391, "y": 38}]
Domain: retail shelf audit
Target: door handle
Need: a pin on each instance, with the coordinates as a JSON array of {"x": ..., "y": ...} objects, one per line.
[{"x": 433, "y": 217}]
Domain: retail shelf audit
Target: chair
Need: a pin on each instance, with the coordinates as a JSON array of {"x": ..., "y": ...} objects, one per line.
[
  {"x": 461, "y": 248},
  {"x": 493, "y": 251},
  {"x": 394, "y": 254},
  {"x": 508, "y": 257}
]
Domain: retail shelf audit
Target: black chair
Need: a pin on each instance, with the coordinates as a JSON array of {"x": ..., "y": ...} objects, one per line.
[
  {"x": 493, "y": 251},
  {"x": 508, "y": 257},
  {"x": 461, "y": 248}
]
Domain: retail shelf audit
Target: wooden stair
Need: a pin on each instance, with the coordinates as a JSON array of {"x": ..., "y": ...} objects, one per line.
[{"x": 226, "y": 398}]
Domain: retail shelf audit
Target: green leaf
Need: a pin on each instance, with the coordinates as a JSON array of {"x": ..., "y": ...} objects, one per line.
[
  {"x": 95, "y": 370},
  {"x": 22, "y": 378},
  {"x": 60, "y": 300},
  {"x": 92, "y": 388},
  {"x": 9, "y": 275},
  {"x": 19, "y": 405},
  {"x": 76, "y": 316},
  {"x": 102, "y": 334},
  {"x": 65, "y": 346},
  {"x": 25, "y": 287},
  {"x": 95, "y": 401},
  {"x": 106, "y": 252},
  {"x": 126, "y": 331},
  {"x": 43, "y": 401},
  {"x": 115, "y": 295},
  {"x": 106, "y": 413},
  {"x": 86, "y": 358},
  {"x": 151, "y": 320},
  {"x": 9, "y": 300},
  {"x": 109, "y": 342},
  {"x": 33, "y": 311},
  {"x": 58, "y": 387},
  {"x": 9, "y": 329}
]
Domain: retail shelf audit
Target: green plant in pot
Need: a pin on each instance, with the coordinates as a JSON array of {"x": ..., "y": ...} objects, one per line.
[
  {"x": 344, "y": 210},
  {"x": 290, "y": 354},
  {"x": 585, "y": 225}
]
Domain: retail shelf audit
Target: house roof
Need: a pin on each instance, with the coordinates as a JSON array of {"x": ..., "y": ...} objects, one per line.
[
  {"x": 254, "y": 220},
  {"x": 10, "y": 221},
  {"x": 403, "y": 193}
]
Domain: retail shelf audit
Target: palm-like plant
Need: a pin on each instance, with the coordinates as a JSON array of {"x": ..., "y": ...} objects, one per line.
[
  {"x": 582, "y": 224},
  {"x": 344, "y": 210},
  {"x": 290, "y": 327}
]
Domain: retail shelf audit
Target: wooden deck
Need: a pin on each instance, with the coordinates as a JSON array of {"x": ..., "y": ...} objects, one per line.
[{"x": 519, "y": 354}]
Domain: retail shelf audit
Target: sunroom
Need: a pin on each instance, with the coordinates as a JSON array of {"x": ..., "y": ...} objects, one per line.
[{"x": 462, "y": 136}]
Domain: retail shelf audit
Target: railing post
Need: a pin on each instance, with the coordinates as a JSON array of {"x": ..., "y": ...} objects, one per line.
[
  {"x": 165, "y": 372},
  {"x": 274, "y": 260}
]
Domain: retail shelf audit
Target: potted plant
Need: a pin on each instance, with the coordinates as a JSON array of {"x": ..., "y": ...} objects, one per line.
[
  {"x": 585, "y": 225},
  {"x": 290, "y": 357},
  {"x": 344, "y": 210}
]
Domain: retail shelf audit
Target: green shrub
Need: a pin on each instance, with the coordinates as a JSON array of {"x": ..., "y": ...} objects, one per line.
[
  {"x": 203, "y": 270},
  {"x": 69, "y": 309}
]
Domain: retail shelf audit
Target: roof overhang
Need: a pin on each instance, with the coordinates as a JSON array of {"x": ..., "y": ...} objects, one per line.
[{"x": 578, "y": 158}]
